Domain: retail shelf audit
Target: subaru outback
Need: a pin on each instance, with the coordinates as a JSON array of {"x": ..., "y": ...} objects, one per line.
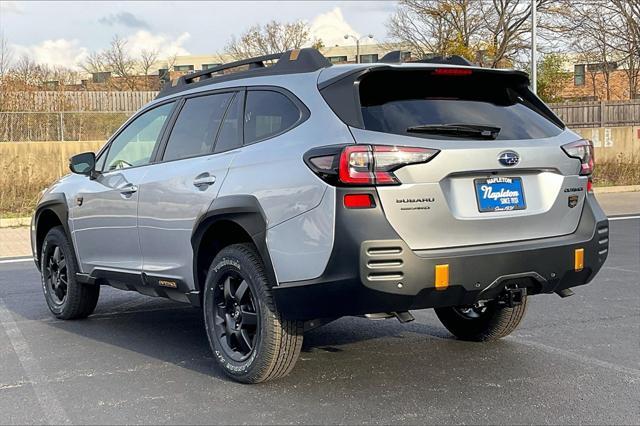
[{"x": 282, "y": 192}]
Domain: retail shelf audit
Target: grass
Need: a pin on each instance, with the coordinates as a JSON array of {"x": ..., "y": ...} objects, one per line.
[
  {"x": 21, "y": 182},
  {"x": 615, "y": 172},
  {"x": 28, "y": 168}
]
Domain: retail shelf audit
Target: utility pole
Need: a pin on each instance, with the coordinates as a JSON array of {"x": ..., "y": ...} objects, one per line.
[{"x": 534, "y": 53}]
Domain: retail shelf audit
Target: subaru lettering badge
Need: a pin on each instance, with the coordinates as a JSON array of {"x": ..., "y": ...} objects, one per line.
[{"x": 508, "y": 158}]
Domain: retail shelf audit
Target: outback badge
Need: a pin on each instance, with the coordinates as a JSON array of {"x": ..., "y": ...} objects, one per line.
[{"x": 573, "y": 201}]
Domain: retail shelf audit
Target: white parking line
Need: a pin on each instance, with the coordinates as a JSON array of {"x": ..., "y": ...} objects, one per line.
[
  {"x": 21, "y": 259},
  {"x": 51, "y": 407},
  {"x": 624, "y": 217},
  {"x": 577, "y": 357}
]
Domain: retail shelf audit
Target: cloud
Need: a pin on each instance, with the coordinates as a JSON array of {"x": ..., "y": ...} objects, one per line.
[
  {"x": 60, "y": 52},
  {"x": 126, "y": 19},
  {"x": 331, "y": 27},
  {"x": 9, "y": 7},
  {"x": 164, "y": 44},
  {"x": 70, "y": 54}
]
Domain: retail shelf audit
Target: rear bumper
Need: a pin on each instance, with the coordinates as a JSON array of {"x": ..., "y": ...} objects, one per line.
[{"x": 366, "y": 275}]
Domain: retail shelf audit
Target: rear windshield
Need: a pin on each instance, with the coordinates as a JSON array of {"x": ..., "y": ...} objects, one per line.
[{"x": 393, "y": 101}]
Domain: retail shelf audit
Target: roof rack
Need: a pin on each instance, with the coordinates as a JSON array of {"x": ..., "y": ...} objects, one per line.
[
  {"x": 395, "y": 57},
  {"x": 289, "y": 62}
]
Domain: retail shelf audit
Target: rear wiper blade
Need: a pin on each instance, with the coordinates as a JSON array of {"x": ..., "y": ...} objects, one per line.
[{"x": 472, "y": 130}]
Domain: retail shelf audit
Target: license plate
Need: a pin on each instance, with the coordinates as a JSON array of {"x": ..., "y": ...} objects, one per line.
[{"x": 499, "y": 194}]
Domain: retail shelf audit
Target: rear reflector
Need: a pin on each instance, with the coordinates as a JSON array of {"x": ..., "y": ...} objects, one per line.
[
  {"x": 578, "y": 260},
  {"x": 359, "y": 201},
  {"x": 442, "y": 277}
]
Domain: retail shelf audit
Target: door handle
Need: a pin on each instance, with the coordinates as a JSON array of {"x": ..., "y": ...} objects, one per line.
[
  {"x": 128, "y": 189},
  {"x": 203, "y": 180}
]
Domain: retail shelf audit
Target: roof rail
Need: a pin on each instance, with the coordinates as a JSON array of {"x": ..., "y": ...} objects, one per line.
[
  {"x": 395, "y": 57},
  {"x": 289, "y": 62}
]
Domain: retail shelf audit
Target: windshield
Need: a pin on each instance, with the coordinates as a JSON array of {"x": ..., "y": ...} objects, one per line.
[{"x": 399, "y": 102}]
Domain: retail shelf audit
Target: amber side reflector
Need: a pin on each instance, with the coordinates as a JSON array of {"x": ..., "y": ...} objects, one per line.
[
  {"x": 579, "y": 259},
  {"x": 442, "y": 277}
]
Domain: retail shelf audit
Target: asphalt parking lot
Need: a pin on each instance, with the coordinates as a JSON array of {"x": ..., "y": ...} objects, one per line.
[{"x": 146, "y": 360}]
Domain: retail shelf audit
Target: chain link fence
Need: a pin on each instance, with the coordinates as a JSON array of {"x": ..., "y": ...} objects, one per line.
[{"x": 60, "y": 126}]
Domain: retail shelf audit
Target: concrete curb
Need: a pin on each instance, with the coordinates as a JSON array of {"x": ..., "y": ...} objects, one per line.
[{"x": 15, "y": 222}]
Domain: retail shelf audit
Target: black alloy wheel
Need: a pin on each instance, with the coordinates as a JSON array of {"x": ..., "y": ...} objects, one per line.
[
  {"x": 56, "y": 276},
  {"x": 236, "y": 321}
]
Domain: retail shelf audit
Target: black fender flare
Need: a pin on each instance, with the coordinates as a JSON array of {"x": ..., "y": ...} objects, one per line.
[
  {"x": 246, "y": 212},
  {"x": 55, "y": 202}
]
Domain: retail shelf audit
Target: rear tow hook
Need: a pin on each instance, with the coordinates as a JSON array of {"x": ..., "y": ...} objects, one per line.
[{"x": 512, "y": 297}]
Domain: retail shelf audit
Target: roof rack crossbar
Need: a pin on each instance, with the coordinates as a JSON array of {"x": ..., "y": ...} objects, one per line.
[{"x": 257, "y": 62}]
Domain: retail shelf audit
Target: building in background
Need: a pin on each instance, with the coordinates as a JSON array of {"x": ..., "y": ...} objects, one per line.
[{"x": 596, "y": 81}]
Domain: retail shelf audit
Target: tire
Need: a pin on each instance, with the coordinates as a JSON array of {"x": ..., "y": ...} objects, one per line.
[
  {"x": 476, "y": 325},
  {"x": 256, "y": 344},
  {"x": 67, "y": 299}
]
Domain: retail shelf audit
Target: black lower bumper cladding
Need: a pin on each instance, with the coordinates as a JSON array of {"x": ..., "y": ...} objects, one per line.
[{"x": 372, "y": 270}]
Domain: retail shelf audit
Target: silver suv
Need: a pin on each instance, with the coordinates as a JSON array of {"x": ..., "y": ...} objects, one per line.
[{"x": 279, "y": 198}]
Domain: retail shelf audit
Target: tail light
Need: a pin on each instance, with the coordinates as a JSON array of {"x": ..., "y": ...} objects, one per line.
[
  {"x": 364, "y": 165},
  {"x": 583, "y": 151}
]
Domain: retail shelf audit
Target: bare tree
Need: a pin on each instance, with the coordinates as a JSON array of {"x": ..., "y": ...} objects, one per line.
[
  {"x": 94, "y": 62},
  {"x": 6, "y": 55},
  {"x": 30, "y": 73},
  {"x": 147, "y": 59},
  {"x": 437, "y": 27},
  {"x": 118, "y": 60},
  {"x": 508, "y": 25},
  {"x": 273, "y": 37},
  {"x": 628, "y": 12},
  {"x": 491, "y": 32}
]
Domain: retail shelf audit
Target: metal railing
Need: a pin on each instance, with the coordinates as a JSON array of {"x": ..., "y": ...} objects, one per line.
[{"x": 60, "y": 126}]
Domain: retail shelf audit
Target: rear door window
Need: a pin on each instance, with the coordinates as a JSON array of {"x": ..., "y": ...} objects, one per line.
[
  {"x": 394, "y": 101},
  {"x": 230, "y": 135},
  {"x": 195, "y": 130},
  {"x": 268, "y": 113}
]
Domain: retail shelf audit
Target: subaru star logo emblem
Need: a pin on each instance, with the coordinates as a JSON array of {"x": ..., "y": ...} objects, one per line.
[{"x": 509, "y": 158}]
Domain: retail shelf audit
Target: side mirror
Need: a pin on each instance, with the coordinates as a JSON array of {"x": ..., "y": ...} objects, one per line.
[{"x": 83, "y": 164}]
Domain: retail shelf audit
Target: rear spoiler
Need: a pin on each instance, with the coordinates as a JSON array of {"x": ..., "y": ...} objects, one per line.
[
  {"x": 396, "y": 57},
  {"x": 341, "y": 92}
]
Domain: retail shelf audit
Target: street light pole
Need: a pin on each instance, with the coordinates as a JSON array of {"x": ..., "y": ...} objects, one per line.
[
  {"x": 534, "y": 53},
  {"x": 347, "y": 36}
]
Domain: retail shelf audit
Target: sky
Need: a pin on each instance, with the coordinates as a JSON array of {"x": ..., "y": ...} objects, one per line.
[{"x": 63, "y": 33}]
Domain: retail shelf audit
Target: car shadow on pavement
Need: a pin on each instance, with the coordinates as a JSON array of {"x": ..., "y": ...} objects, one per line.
[{"x": 174, "y": 333}]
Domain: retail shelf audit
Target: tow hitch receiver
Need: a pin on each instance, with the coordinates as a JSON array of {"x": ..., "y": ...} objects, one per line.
[{"x": 512, "y": 297}]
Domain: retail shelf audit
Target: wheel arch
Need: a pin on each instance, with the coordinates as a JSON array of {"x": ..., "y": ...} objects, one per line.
[
  {"x": 231, "y": 219},
  {"x": 51, "y": 212}
]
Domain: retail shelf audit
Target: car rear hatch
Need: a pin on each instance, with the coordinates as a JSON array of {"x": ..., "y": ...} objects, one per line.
[{"x": 501, "y": 173}]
